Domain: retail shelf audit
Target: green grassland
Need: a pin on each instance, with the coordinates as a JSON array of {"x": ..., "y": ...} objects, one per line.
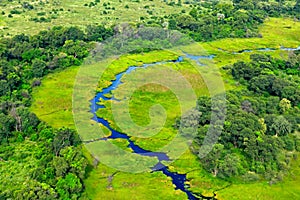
[
  {"x": 146, "y": 96},
  {"x": 107, "y": 183},
  {"x": 129, "y": 186},
  {"x": 270, "y": 30},
  {"x": 276, "y": 32},
  {"x": 68, "y": 12},
  {"x": 97, "y": 182},
  {"x": 120, "y": 65},
  {"x": 53, "y": 99},
  {"x": 58, "y": 88}
]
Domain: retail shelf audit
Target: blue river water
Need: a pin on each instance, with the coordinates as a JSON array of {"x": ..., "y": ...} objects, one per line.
[
  {"x": 179, "y": 180},
  {"x": 262, "y": 49}
]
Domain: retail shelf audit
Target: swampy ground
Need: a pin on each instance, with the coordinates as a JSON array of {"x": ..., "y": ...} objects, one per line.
[{"x": 53, "y": 104}]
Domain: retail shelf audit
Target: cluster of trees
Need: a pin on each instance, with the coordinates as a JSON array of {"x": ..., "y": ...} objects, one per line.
[
  {"x": 23, "y": 58},
  {"x": 257, "y": 139},
  {"x": 266, "y": 75},
  {"x": 212, "y": 20},
  {"x": 92, "y": 4},
  {"x": 57, "y": 166},
  {"x": 257, "y": 136},
  {"x": 129, "y": 38},
  {"x": 47, "y": 163}
]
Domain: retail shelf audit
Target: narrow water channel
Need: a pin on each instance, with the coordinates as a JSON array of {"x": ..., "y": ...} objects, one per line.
[
  {"x": 179, "y": 180},
  {"x": 261, "y": 49}
]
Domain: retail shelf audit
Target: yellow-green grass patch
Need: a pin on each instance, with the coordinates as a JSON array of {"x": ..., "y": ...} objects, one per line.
[
  {"x": 68, "y": 13},
  {"x": 52, "y": 101}
]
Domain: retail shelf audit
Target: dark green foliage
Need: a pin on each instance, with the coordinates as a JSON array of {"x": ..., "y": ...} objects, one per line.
[
  {"x": 38, "y": 68},
  {"x": 231, "y": 165},
  {"x": 50, "y": 161},
  {"x": 213, "y": 20},
  {"x": 78, "y": 49},
  {"x": 7, "y": 125},
  {"x": 97, "y": 33},
  {"x": 23, "y": 57},
  {"x": 75, "y": 161},
  {"x": 69, "y": 187},
  {"x": 16, "y": 12},
  {"x": 26, "y": 121},
  {"x": 261, "y": 77},
  {"x": 258, "y": 131},
  {"x": 212, "y": 160},
  {"x": 64, "y": 137},
  {"x": 27, "y": 5}
]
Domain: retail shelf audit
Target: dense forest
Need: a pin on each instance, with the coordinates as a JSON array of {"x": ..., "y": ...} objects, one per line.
[
  {"x": 258, "y": 140},
  {"x": 216, "y": 19},
  {"x": 52, "y": 160}
]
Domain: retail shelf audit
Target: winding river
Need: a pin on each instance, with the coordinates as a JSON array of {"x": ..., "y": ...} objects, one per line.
[{"x": 179, "y": 180}]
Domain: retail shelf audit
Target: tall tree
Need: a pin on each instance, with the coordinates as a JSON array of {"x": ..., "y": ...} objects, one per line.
[{"x": 281, "y": 126}]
